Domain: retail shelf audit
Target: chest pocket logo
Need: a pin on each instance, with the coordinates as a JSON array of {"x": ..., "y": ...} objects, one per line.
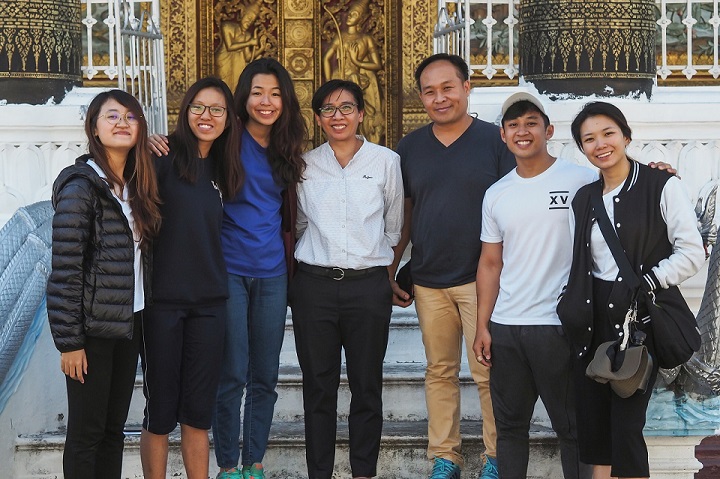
[{"x": 559, "y": 200}]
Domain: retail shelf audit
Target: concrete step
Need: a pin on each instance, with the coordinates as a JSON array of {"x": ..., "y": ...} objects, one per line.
[
  {"x": 404, "y": 370},
  {"x": 404, "y": 341},
  {"x": 402, "y": 453},
  {"x": 403, "y": 395}
]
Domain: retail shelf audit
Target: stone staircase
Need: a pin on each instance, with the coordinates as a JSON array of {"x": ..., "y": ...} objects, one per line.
[
  {"x": 403, "y": 450},
  {"x": 32, "y": 425}
]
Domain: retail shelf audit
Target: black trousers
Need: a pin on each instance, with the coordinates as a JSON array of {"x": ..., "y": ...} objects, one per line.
[
  {"x": 97, "y": 409},
  {"x": 531, "y": 362},
  {"x": 328, "y": 316}
]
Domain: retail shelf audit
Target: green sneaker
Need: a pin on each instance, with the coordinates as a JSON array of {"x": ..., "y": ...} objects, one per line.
[
  {"x": 233, "y": 473},
  {"x": 255, "y": 471}
]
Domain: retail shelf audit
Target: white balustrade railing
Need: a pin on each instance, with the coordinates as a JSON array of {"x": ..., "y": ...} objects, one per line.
[
  {"x": 686, "y": 42},
  {"x": 123, "y": 41}
]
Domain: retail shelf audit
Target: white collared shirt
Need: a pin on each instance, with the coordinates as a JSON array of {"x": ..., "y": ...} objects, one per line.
[{"x": 350, "y": 217}]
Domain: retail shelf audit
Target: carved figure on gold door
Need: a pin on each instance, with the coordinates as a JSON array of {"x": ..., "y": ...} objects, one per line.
[
  {"x": 354, "y": 55},
  {"x": 240, "y": 43}
]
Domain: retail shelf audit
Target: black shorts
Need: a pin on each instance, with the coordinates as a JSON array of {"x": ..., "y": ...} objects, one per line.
[
  {"x": 181, "y": 355},
  {"x": 610, "y": 428}
]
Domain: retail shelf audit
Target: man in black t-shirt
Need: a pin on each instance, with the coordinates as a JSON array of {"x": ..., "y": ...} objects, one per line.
[{"x": 447, "y": 166}]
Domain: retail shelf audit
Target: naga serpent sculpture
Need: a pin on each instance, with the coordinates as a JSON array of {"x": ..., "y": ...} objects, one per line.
[
  {"x": 24, "y": 269},
  {"x": 700, "y": 376}
]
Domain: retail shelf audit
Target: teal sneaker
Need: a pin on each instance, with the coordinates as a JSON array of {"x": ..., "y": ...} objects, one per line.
[
  {"x": 489, "y": 470},
  {"x": 233, "y": 473},
  {"x": 255, "y": 471},
  {"x": 444, "y": 469}
]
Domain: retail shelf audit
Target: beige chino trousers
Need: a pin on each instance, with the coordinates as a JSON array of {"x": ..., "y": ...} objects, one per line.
[{"x": 446, "y": 316}]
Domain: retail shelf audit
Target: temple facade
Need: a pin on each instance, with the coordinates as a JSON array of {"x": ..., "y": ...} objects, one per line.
[{"x": 657, "y": 60}]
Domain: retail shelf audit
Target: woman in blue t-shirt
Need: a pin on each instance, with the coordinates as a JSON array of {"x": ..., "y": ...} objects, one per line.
[{"x": 258, "y": 243}]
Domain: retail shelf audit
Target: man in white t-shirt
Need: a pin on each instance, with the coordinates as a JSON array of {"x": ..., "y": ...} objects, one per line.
[{"x": 524, "y": 263}]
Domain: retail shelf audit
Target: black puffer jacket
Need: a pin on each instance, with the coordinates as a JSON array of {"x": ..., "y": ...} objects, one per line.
[{"x": 91, "y": 287}]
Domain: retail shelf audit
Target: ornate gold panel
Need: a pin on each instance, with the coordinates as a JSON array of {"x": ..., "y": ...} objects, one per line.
[
  {"x": 299, "y": 62},
  {"x": 299, "y": 9},
  {"x": 297, "y": 33},
  {"x": 418, "y": 20},
  {"x": 231, "y": 33},
  {"x": 179, "y": 24}
]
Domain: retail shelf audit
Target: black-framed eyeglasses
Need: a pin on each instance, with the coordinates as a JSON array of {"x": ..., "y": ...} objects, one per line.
[
  {"x": 328, "y": 111},
  {"x": 197, "y": 109},
  {"x": 114, "y": 118}
]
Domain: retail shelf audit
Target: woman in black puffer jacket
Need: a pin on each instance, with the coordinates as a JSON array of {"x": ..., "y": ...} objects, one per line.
[{"x": 106, "y": 213}]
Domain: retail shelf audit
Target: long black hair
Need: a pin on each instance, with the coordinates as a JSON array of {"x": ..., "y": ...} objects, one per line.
[
  {"x": 288, "y": 133},
  {"x": 229, "y": 172}
]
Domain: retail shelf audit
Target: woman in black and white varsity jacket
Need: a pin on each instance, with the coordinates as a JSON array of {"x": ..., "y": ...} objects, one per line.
[{"x": 654, "y": 219}]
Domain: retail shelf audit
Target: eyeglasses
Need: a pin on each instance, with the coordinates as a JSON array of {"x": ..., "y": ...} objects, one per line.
[
  {"x": 328, "y": 111},
  {"x": 114, "y": 118},
  {"x": 196, "y": 109}
]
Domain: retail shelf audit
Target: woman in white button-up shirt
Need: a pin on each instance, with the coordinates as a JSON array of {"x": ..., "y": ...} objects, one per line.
[{"x": 349, "y": 219}]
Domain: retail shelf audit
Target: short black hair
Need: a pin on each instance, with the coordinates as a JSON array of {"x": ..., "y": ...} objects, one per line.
[
  {"x": 520, "y": 108},
  {"x": 327, "y": 88},
  {"x": 599, "y": 108},
  {"x": 457, "y": 61}
]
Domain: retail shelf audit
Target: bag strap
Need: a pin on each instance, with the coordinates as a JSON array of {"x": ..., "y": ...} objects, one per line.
[
  {"x": 613, "y": 242},
  {"x": 618, "y": 252}
]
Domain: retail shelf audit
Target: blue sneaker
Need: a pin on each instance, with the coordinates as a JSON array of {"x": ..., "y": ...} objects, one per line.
[
  {"x": 489, "y": 470},
  {"x": 444, "y": 469}
]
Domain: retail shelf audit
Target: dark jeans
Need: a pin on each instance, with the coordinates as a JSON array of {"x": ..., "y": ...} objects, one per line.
[
  {"x": 257, "y": 308},
  {"x": 527, "y": 362},
  {"x": 98, "y": 408},
  {"x": 329, "y": 315}
]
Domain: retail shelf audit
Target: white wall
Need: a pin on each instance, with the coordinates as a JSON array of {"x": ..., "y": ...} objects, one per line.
[{"x": 36, "y": 142}]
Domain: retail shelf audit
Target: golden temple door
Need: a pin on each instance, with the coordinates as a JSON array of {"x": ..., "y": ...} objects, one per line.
[{"x": 376, "y": 43}]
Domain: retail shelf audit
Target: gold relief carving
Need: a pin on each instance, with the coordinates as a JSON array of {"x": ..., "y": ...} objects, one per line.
[
  {"x": 299, "y": 62},
  {"x": 23, "y": 44},
  {"x": 10, "y": 47},
  {"x": 578, "y": 33},
  {"x": 565, "y": 45},
  {"x": 298, "y": 33},
  {"x": 179, "y": 25},
  {"x": 591, "y": 43},
  {"x": 417, "y": 23},
  {"x": 298, "y": 9},
  {"x": 413, "y": 119},
  {"x": 309, "y": 117},
  {"x": 193, "y": 35},
  {"x": 304, "y": 90},
  {"x": 352, "y": 51},
  {"x": 245, "y": 31}
]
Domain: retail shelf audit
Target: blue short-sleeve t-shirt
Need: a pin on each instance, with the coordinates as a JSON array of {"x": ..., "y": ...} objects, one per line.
[{"x": 251, "y": 229}]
